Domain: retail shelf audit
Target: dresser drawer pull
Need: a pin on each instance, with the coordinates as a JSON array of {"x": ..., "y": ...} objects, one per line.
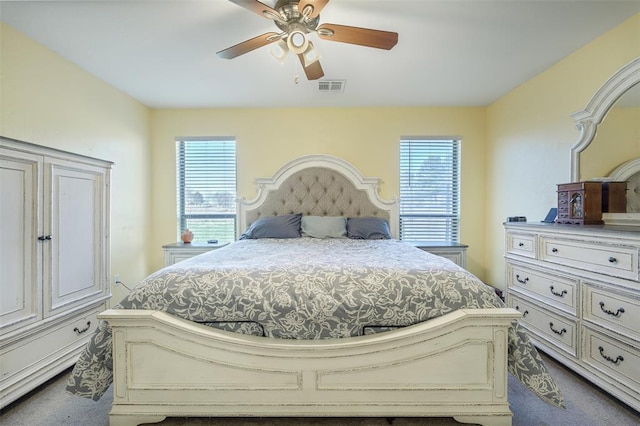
[
  {"x": 554, "y": 250},
  {"x": 520, "y": 280},
  {"x": 612, "y": 259},
  {"x": 79, "y": 332},
  {"x": 616, "y": 361},
  {"x": 608, "y": 312},
  {"x": 559, "y": 333},
  {"x": 520, "y": 244},
  {"x": 524, "y": 314},
  {"x": 555, "y": 293}
]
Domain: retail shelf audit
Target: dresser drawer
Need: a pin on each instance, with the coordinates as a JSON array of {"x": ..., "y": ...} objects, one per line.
[
  {"x": 558, "y": 290},
  {"x": 612, "y": 310},
  {"x": 521, "y": 243},
  {"x": 613, "y": 357},
  {"x": 61, "y": 338},
  {"x": 617, "y": 261},
  {"x": 555, "y": 329}
]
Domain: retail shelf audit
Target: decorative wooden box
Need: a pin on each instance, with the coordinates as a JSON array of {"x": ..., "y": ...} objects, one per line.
[{"x": 582, "y": 203}]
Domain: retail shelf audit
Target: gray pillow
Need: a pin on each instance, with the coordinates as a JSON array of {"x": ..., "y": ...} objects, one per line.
[
  {"x": 324, "y": 226},
  {"x": 368, "y": 228},
  {"x": 285, "y": 226}
]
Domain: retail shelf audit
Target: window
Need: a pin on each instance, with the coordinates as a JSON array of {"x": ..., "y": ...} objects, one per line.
[
  {"x": 206, "y": 187},
  {"x": 429, "y": 189}
]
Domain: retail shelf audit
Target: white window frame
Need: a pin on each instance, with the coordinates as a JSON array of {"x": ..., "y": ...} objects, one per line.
[
  {"x": 211, "y": 175},
  {"x": 430, "y": 196}
]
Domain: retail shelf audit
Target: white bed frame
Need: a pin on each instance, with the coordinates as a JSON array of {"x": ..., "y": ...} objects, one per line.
[{"x": 451, "y": 366}]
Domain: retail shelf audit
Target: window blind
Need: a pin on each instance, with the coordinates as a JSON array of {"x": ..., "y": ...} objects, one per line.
[
  {"x": 206, "y": 188},
  {"x": 429, "y": 189}
]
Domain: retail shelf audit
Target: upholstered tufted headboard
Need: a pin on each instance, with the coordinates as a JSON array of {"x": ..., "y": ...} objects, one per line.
[{"x": 318, "y": 185}]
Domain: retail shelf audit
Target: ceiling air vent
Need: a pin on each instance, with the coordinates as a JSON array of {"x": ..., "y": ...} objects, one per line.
[{"x": 331, "y": 86}]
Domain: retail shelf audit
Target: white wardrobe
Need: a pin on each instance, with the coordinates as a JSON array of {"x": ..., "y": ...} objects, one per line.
[{"x": 54, "y": 260}]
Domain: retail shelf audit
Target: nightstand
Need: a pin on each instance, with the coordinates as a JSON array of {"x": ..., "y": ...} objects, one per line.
[
  {"x": 455, "y": 252},
  {"x": 176, "y": 252}
]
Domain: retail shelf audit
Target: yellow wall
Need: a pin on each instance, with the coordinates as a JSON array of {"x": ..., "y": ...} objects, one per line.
[
  {"x": 46, "y": 100},
  {"x": 514, "y": 152},
  {"x": 530, "y": 132},
  {"x": 366, "y": 137}
]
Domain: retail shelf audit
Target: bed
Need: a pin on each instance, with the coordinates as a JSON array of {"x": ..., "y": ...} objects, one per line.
[{"x": 310, "y": 325}]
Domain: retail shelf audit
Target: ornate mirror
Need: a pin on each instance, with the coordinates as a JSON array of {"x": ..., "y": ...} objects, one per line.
[{"x": 619, "y": 96}]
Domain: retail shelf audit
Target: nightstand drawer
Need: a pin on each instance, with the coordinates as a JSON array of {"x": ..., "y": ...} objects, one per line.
[
  {"x": 612, "y": 310},
  {"x": 523, "y": 244},
  {"x": 455, "y": 252},
  {"x": 555, "y": 329},
  {"x": 177, "y": 252},
  {"x": 617, "y": 261},
  {"x": 557, "y": 290}
]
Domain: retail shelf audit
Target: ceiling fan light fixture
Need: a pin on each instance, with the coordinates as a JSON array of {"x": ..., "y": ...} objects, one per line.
[
  {"x": 280, "y": 51},
  {"x": 310, "y": 55},
  {"x": 297, "y": 42}
]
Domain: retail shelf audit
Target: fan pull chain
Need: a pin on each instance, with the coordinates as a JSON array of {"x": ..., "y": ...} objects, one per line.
[{"x": 296, "y": 77}]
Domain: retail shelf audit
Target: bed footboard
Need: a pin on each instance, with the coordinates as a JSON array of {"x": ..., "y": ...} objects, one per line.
[{"x": 451, "y": 366}]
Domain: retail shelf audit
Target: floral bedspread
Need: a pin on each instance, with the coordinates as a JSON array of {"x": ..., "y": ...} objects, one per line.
[{"x": 307, "y": 288}]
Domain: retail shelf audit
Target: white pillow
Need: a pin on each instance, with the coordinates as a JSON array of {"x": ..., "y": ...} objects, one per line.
[{"x": 324, "y": 226}]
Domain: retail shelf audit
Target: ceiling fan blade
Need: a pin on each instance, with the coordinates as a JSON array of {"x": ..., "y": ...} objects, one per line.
[
  {"x": 355, "y": 35},
  {"x": 248, "y": 45},
  {"x": 258, "y": 8},
  {"x": 316, "y": 7},
  {"x": 313, "y": 71}
]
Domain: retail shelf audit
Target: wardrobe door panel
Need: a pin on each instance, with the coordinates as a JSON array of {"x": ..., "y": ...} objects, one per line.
[
  {"x": 20, "y": 227},
  {"x": 76, "y": 249}
]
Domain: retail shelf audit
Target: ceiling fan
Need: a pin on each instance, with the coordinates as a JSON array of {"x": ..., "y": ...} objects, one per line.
[{"x": 297, "y": 19}]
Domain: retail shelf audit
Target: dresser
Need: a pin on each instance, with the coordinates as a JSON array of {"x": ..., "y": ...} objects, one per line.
[
  {"x": 177, "y": 252},
  {"x": 578, "y": 288},
  {"x": 54, "y": 259}
]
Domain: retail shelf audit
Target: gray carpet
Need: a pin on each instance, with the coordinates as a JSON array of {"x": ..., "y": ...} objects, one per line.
[{"x": 50, "y": 405}]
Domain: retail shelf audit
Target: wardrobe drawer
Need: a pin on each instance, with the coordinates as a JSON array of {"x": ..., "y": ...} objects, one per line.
[
  {"x": 612, "y": 310},
  {"x": 553, "y": 328},
  {"x": 617, "y": 261},
  {"x": 558, "y": 290},
  {"x": 615, "y": 358},
  {"x": 521, "y": 243},
  {"x": 64, "y": 337}
]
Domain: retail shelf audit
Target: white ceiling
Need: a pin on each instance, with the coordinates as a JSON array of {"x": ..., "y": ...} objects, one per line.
[{"x": 450, "y": 53}]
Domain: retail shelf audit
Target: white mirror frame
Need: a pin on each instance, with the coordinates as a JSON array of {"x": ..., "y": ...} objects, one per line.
[{"x": 587, "y": 120}]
